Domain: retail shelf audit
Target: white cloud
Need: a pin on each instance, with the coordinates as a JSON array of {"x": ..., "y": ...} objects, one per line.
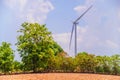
[
  {"x": 82, "y": 30},
  {"x": 112, "y": 44},
  {"x": 22, "y": 4},
  {"x": 13, "y": 3},
  {"x": 119, "y": 14},
  {"x": 118, "y": 30},
  {"x": 85, "y": 40},
  {"x": 90, "y": 2},
  {"x": 80, "y": 8},
  {"x": 10, "y": 3},
  {"x": 64, "y": 39},
  {"x": 30, "y": 10},
  {"x": 102, "y": 26}
]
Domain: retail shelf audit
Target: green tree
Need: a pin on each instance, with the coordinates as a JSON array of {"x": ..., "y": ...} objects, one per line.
[
  {"x": 17, "y": 66},
  {"x": 56, "y": 48},
  {"x": 55, "y": 62},
  {"x": 36, "y": 46},
  {"x": 6, "y": 57},
  {"x": 85, "y": 62},
  {"x": 115, "y": 61},
  {"x": 68, "y": 64},
  {"x": 103, "y": 64},
  {"x": 107, "y": 64},
  {"x": 99, "y": 66}
]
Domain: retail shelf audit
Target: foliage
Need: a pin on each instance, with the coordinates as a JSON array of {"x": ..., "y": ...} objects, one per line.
[
  {"x": 68, "y": 64},
  {"x": 115, "y": 61},
  {"x": 18, "y": 66},
  {"x": 104, "y": 64},
  {"x": 36, "y": 46},
  {"x": 56, "y": 48},
  {"x": 85, "y": 62},
  {"x": 6, "y": 57}
]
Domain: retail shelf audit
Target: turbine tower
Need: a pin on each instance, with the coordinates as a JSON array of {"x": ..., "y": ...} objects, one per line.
[{"x": 75, "y": 27}]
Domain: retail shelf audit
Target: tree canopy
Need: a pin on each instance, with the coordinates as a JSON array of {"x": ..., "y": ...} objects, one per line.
[
  {"x": 36, "y": 45},
  {"x": 6, "y": 57}
]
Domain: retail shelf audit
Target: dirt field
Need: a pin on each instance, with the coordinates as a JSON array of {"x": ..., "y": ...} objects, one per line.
[{"x": 59, "y": 76}]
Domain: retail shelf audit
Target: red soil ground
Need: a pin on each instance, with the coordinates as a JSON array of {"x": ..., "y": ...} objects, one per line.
[{"x": 59, "y": 76}]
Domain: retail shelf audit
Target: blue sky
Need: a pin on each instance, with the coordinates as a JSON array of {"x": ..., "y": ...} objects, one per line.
[{"x": 98, "y": 31}]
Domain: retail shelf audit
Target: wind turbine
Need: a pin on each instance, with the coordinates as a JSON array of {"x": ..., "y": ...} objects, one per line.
[{"x": 75, "y": 27}]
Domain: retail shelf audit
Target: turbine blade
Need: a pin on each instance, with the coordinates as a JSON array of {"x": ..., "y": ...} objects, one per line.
[
  {"x": 71, "y": 35},
  {"x": 83, "y": 13}
]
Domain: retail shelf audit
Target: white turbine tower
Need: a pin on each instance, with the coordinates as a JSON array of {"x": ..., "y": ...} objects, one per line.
[{"x": 74, "y": 27}]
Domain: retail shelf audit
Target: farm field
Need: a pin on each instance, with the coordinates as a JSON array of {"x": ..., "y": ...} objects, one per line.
[{"x": 59, "y": 76}]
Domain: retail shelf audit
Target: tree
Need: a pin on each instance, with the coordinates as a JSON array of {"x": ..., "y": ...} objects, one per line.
[
  {"x": 17, "y": 66},
  {"x": 99, "y": 66},
  {"x": 85, "y": 62},
  {"x": 56, "y": 48},
  {"x": 103, "y": 64},
  {"x": 36, "y": 46},
  {"x": 115, "y": 61},
  {"x": 107, "y": 64},
  {"x": 68, "y": 64},
  {"x": 6, "y": 57}
]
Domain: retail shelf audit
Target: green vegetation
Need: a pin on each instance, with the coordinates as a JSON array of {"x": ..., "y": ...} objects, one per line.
[
  {"x": 36, "y": 46},
  {"x": 40, "y": 53},
  {"x": 6, "y": 58}
]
